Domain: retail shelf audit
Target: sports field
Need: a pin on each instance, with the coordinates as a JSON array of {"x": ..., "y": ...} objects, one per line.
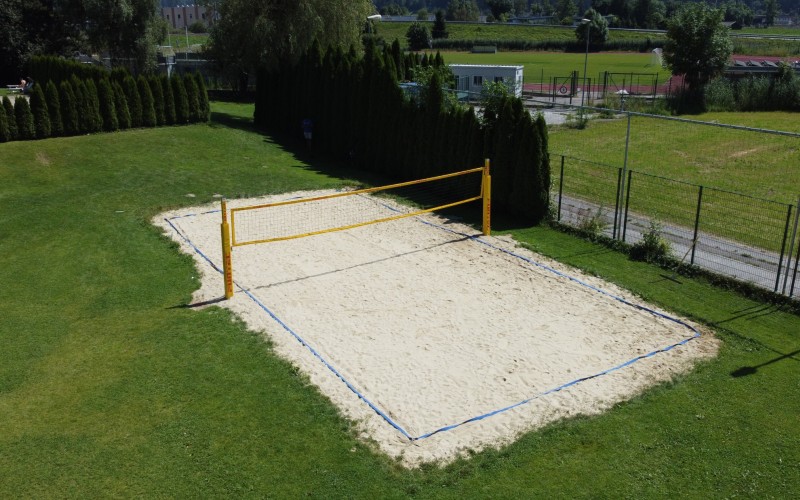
[{"x": 111, "y": 385}]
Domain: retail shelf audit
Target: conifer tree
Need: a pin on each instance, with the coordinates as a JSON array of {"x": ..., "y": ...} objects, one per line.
[
  {"x": 181, "y": 100},
  {"x": 134, "y": 100},
  {"x": 41, "y": 115},
  {"x": 54, "y": 108},
  {"x": 94, "y": 122},
  {"x": 158, "y": 99},
  {"x": 4, "y": 134},
  {"x": 108, "y": 111},
  {"x": 79, "y": 90},
  {"x": 148, "y": 108},
  {"x": 11, "y": 116},
  {"x": 25, "y": 126},
  {"x": 69, "y": 109},
  {"x": 202, "y": 97},
  {"x": 190, "y": 84},
  {"x": 121, "y": 106},
  {"x": 169, "y": 101}
]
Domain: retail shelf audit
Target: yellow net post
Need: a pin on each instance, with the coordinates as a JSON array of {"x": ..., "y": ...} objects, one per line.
[
  {"x": 486, "y": 191},
  {"x": 227, "y": 268}
]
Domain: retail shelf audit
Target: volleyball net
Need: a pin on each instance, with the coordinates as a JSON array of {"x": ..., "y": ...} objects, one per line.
[{"x": 303, "y": 217}]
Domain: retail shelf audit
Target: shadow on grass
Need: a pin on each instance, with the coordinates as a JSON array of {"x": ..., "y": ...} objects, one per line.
[
  {"x": 750, "y": 313},
  {"x": 199, "y": 304},
  {"x": 752, "y": 370}
]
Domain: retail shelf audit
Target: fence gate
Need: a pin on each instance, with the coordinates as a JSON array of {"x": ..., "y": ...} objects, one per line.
[{"x": 630, "y": 83}]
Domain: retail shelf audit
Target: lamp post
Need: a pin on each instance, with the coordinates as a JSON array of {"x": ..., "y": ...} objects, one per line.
[{"x": 588, "y": 24}]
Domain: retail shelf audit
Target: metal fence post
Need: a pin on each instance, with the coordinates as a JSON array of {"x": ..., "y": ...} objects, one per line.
[
  {"x": 796, "y": 264},
  {"x": 616, "y": 204},
  {"x": 627, "y": 205},
  {"x": 560, "y": 188},
  {"x": 791, "y": 248},
  {"x": 625, "y": 170},
  {"x": 783, "y": 248},
  {"x": 697, "y": 222}
]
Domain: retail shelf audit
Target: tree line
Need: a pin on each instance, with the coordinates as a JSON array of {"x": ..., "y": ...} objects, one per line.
[
  {"x": 647, "y": 14},
  {"x": 72, "y": 104},
  {"x": 361, "y": 114}
]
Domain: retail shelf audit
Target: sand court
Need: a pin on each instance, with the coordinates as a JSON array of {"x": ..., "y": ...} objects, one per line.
[{"x": 436, "y": 340}]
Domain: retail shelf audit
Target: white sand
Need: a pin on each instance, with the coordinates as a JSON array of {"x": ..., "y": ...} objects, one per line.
[{"x": 434, "y": 328}]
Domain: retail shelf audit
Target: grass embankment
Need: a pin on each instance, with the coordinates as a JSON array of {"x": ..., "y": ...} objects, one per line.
[{"x": 110, "y": 387}]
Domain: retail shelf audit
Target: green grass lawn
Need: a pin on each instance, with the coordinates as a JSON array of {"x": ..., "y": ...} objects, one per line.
[
  {"x": 496, "y": 31},
  {"x": 110, "y": 387}
]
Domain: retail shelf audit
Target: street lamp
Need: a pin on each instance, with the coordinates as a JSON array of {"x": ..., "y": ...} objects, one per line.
[{"x": 588, "y": 24}]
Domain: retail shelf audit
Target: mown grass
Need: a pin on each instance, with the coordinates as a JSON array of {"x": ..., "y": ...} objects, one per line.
[
  {"x": 496, "y": 31},
  {"x": 109, "y": 386}
]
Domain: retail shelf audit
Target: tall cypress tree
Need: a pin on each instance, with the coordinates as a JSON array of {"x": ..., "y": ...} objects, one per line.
[
  {"x": 41, "y": 115},
  {"x": 4, "y": 134},
  {"x": 181, "y": 100},
  {"x": 169, "y": 101},
  {"x": 202, "y": 98},
  {"x": 54, "y": 108},
  {"x": 148, "y": 108},
  {"x": 25, "y": 126},
  {"x": 158, "y": 99},
  {"x": 69, "y": 108},
  {"x": 13, "y": 133},
  {"x": 190, "y": 85},
  {"x": 79, "y": 90},
  {"x": 108, "y": 110},
  {"x": 94, "y": 121},
  {"x": 134, "y": 100},
  {"x": 121, "y": 106}
]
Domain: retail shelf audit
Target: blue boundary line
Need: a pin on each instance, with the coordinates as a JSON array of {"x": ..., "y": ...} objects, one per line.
[{"x": 483, "y": 416}]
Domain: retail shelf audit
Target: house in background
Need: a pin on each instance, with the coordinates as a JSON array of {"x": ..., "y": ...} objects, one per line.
[
  {"x": 471, "y": 77},
  {"x": 184, "y": 13}
]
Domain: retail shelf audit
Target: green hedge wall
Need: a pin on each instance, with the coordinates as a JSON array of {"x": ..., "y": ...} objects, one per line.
[
  {"x": 72, "y": 105},
  {"x": 360, "y": 113}
]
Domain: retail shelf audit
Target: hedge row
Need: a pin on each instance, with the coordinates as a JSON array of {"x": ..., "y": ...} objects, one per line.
[
  {"x": 57, "y": 69},
  {"x": 360, "y": 113},
  {"x": 81, "y": 106}
]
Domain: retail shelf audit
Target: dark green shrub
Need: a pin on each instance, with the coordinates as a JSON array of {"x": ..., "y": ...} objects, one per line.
[
  {"x": 169, "y": 100},
  {"x": 25, "y": 126},
  {"x": 121, "y": 106},
  {"x": 148, "y": 110},
  {"x": 108, "y": 110},
  {"x": 94, "y": 121},
  {"x": 158, "y": 99},
  {"x": 652, "y": 247},
  {"x": 4, "y": 135},
  {"x": 11, "y": 119},
  {"x": 69, "y": 108},
  {"x": 134, "y": 100},
  {"x": 54, "y": 108},
  {"x": 41, "y": 116},
  {"x": 181, "y": 100},
  {"x": 190, "y": 85}
]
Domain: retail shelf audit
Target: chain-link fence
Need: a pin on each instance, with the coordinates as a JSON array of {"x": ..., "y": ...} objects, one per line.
[
  {"x": 731, "y": 234},
  {"x": 630, "y": 175}
]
